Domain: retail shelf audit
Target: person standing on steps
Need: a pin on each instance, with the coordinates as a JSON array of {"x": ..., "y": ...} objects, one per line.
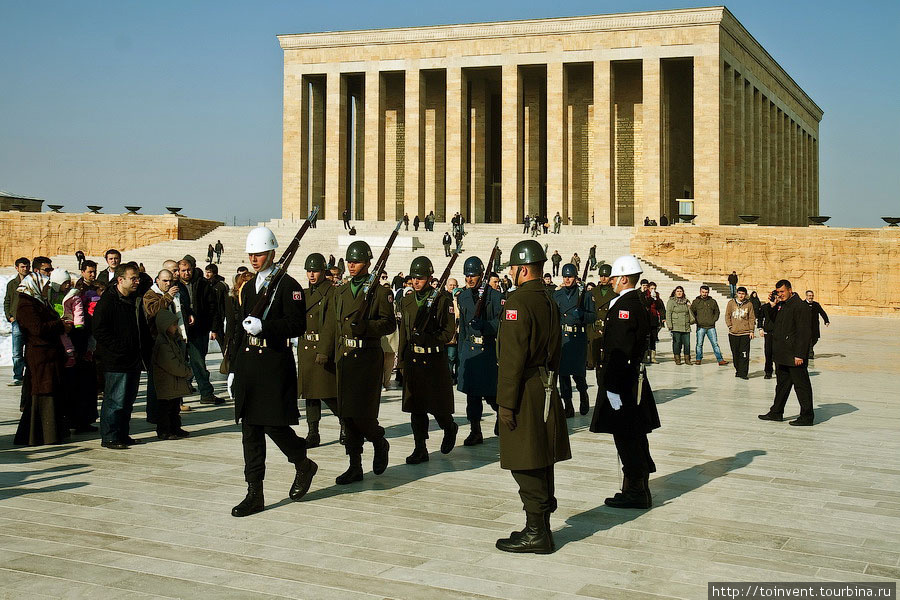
[
  {"x": 625, "y": 405},
  {"x": 576, "y": 309},
  {"x": 477, "y": 344},
  {"x": 556, "y": 259},
  {"x": 360, "y": 362},
  {"x": 219, "y": 250},
  {"x": 427, "y": 386},
  {"x": 533, "y": 434},
  {"x": 264, "y": 378},
  {"x": 345, "y": 217},
  {"x": 446, "y": 241},
  {"x": 315, "y": 350}
]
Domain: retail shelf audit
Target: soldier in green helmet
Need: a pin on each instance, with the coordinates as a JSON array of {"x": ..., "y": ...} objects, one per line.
[
  {"x": 533, "y": 433},
  {"x": 360, "y": 360},
  {"x": 424, "y": 335},
  {"x": 602, "y": 294},
  {"x": 317, "y": 373}
]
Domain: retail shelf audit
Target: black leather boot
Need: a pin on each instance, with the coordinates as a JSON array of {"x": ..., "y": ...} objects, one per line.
[
  {"x": 419, "y": 455},
  {"x": 585, "y": 404},
  {"x": 449, "y": 438},
  {"x": 353, "y": 473},
  {"x": 474, "y": 438},
  {"x": 380, "y": 460},
  {"x": 303, "y": 479},
  {"x": 570, "y": 409},
  {"x": 635, "y": 495},
  {"x": 312, "y": 437},
  {"x": 535, "y": 538},
  {"x": 252, "y": 503}
]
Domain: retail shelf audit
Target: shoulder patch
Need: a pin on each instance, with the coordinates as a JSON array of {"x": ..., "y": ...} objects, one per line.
[
  {"x": 502, "y": 301},
  {"x": 451, "y": 308},
  {"x": 298, "y": 295},
  {"x": 512, "y": 315},
  {"x": 624, "y": 314}
]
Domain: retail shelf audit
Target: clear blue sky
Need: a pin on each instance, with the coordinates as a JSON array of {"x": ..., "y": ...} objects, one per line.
[{"x": 179, "y": 103}]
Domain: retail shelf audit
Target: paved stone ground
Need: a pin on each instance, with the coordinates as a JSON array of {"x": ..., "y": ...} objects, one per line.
[{"x": 735, "y": 499}]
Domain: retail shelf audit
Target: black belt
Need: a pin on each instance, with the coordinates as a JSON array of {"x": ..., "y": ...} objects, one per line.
[
  {"x": 311, "y": 337},
  {"x": 480, "y": 339},
  {"x": 573, "y": 328},
  {"x": 426, "y": 349},
  {"x": 257, "y": 342},
  {"x": 361, "y": 342}
]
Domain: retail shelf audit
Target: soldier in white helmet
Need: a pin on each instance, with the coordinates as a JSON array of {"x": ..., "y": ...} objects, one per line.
[
  {"x": 264, "y": 376},
  {"x": 625, "y": 406}
]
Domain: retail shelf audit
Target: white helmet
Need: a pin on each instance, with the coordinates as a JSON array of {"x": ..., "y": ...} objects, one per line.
[
  {"x": 626, "y": 265},
  {"x": 59, "y": 277},
  {"x": 261, "y": 239}
]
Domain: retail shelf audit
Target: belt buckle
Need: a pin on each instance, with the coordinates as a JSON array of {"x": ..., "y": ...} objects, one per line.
[
  {"x": 256, "y": 342},
  {"x": 478, "y": 340},
  {"x": 418, "y": 350}
]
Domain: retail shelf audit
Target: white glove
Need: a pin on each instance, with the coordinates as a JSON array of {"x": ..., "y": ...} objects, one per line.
[
  {"x": 614, "y": 400},
  {"x": 230, "y": 381},
  {"x": 252, "y": 325}
]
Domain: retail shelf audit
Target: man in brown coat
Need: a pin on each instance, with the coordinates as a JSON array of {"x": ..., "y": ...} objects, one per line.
[
  {"x": 315, "y": 352},
  {"x": 424, "y": 334},
  {"x": 533, "y": 434}
]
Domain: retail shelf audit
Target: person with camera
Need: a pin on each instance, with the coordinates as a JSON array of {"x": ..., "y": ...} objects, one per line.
[{"x": 790, "y": 328}]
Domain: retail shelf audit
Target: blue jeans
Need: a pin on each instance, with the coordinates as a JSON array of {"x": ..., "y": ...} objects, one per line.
[
  {"x": 732, "y": 287},
  {"x": 18, "y": 344},
  {"x": 118, "y": 399},
  {"x": 703, "y": 332},
  {"x": 197, "y": 361}
]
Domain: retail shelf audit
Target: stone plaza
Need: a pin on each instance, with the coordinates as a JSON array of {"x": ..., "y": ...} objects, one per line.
[{"x": 735, "y": 499}]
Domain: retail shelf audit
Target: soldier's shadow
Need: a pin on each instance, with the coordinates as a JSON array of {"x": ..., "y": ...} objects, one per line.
[
  {"x": 662, "y": 396},
  {"x": 666, "y": 488}
]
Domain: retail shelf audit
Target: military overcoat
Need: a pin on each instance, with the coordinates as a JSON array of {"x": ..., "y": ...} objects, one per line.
[
  {"x": 318, "y": 381},
  {"x": 625, "y": 340},
  {"x": 360, "y": 369},
  {"x": 265, "y": 377},
  {"x": 427, "y": 385},
  {"x": 602, "y": 295},
  {"x": 529, "y": 338},
  {"x": 575, "y": 317},
  {"x": 478, "y": 348}
]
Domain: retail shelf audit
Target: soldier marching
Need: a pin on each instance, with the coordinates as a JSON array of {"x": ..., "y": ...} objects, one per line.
[{"x": 576, "y": 310}]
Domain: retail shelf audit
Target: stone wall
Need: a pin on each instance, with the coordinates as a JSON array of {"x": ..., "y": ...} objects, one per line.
[
  {"x": 51, "y": 234},
  {"x": 852, "y": 271}
]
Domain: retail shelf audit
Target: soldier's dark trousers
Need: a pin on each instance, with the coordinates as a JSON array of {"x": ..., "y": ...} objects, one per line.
[
  {"x": 475, "y": 407},
  {"x": 357, "y": 431},
  {"x": 634, "y": 450},
  {"x": 536, "y": 489},
  {"x": 793, "y": 377},
  {"x": 314, "y": 408},
  {"x": 565, "y": 385},
  {"x": 740, "y": 353},
  {"x": 767, "y": 344},
  {"x": 419, "y": 423},
  {"x": 254, "y": 441}
]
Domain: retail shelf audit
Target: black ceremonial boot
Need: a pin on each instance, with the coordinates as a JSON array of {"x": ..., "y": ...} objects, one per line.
[
  {"x": 303, "y": 479},
  {"x": 354, "y": 473},
  {"x": 252, "y": 503},
  {"x": 535, "y": 538},
  {"x": 419, "y": 455},
  {"x": 585, "y": 404}
]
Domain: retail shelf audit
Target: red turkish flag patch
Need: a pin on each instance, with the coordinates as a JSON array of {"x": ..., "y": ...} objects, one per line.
[
  {"x": 298, "y": 295},
  {"x": 451, "y": 309},
  {"x": 623, "y": 314},
  {"x": 502, "y": 301},
  {"x": 512, "y": 315}
]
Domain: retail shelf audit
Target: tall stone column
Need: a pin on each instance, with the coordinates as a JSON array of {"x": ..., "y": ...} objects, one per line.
[
  {"x": 602, "y": 204},
  {"x": 737, "y": 201},
  {"x": 707, "y": 101},
  {"x": 556, "y": 163},
  {"x": 511, "y": 147},
  {"x": 374, "y": 147},
  {"x": 478, "y": 134},
  {"x": 749, "y": 169},
  {"x": 727, "y": 162},
  {"x": 293, "y": 193},
  {"x": 456, "y": 140},
  {"x": 414, "y": 189},
  {"x": 336, "y": 141},
  {"x": 650, "y": 204}
]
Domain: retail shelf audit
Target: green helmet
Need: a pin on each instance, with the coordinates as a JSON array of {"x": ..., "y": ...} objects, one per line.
[
  {"x": 569, "y": 270},
  {"x": 473, "y": 267},
  {"x": 359, "y": 251},
  {"x": 421, "y": 267},
  {"x": 604, "y": 270},
  {"x": 527, "y": 252},
  {"x": 315, "y": 262}
]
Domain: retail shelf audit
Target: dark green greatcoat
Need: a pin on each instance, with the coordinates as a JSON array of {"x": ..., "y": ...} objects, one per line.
[
  {"x": 529, "y": 337},
  {"x": 318, "y": 381},
  {"x": 602, "y": 295}
]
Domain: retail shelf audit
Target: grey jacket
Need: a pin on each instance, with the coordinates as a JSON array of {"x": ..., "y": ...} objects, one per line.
[{"x": 679, "y": 316}]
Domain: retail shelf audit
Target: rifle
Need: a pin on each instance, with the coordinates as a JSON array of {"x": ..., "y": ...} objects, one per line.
[
  {"x": 584, "y": 275},
  {"x": 280, "y": 268},
  {"x": 424, "y": 316},
  {"x": 371, "y": 283},
  {"x": 482, "y": 288}
]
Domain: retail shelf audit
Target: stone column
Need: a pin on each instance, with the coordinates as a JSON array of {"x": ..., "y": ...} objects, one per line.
[
  {"x": 707, "y": 101},
  {"x": 749, "y": 171},
  {"x": 456, "y": 140},
  {"x": 815, "y": 175},
  {"x": 414, "y": 189},
  {"x": 602, "y": 203},
  {"x": 478, "y": 134},
  {"x": 650, "y": 205},
  {"x": 728, "y": 164},
  {"x": 556, "y": 167},
  {"x": 373, "y": 142},
  {"x": 295, "y": 178},
  {"x": 531, "y": 143},
  {"x": 511, "y": 147},
  {"x": 740, "y": 164},
  {"x": 335, "y": 146}
]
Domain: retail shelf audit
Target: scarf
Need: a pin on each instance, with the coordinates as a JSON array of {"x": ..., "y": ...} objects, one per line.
[
  {"x": 356, "y": 283},
  {"x": 33, "y": 285}
]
